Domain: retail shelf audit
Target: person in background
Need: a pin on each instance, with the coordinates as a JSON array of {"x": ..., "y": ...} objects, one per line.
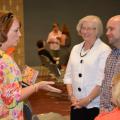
[
  {"x": 54, "y": 37},
  {"x": 65, "y": 37},
  {"x": 64, "y": 46},
  {"x": 85, "y": 69},
  {"x": 43, "y": 51},
  {"x": 112, "y": 64},
  {"x": 53, "y": 41},
  {"x": 115, "y": 113},
  {"x": 11, "y": 92}
]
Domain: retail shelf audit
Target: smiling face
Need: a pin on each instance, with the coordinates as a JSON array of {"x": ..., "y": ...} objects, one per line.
[
  {"x": 90, "y": 28},
  {"x": 12, "y": 36},
  {"x": 113, "y": 31},
  {"x": 88, "y": 31}
]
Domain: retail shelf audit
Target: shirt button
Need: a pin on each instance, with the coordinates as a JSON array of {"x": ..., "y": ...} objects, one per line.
[
  {"x": 79, "y": 89},
  {"x": 80, "y": 75},
  {"x": 81, "y": 61}
]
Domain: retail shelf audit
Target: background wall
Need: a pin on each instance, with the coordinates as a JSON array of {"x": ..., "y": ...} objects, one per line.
[{"x": 39, "y": 16}]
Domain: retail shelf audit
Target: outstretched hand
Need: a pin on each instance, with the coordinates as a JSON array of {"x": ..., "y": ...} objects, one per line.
[{"x": 46, "y": 85}]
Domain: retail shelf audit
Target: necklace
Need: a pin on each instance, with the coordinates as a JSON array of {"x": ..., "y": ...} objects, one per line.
[{"x": 83, "y": 52}]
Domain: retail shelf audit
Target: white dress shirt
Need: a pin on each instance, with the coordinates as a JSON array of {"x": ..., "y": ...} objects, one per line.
[{"x": 88, "y": 73}]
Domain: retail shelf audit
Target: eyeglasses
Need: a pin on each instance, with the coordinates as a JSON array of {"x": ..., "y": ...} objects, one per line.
[{"x": 88, "y": 28}]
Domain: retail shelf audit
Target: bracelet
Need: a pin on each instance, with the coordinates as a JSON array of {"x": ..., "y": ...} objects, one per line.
[{"x": 35, "y": 88}]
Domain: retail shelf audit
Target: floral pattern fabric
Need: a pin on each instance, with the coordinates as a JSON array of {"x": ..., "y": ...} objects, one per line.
[{"x": 10, "y": 89}]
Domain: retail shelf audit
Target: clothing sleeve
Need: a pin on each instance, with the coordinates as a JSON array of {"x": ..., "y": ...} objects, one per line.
[
  {"x": 68, "y": 74},
  {"x": 101, "y": 65}
]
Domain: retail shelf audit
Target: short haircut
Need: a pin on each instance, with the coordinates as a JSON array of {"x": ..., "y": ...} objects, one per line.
[{"x": 94, "y": 19}]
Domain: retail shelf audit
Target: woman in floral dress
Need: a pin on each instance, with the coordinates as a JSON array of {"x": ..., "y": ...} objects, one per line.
[{"x": 11, "y": 92}]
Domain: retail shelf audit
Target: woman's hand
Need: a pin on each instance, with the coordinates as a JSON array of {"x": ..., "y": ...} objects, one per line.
[
  {"x": 46, "y": 85},
  {"x": 84, "y": 102},
  {"x": 74, "y": 101},
  {"x": 81, "y": 102}
]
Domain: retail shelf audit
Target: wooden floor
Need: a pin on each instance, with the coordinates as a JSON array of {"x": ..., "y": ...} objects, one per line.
[{"x": 45, "y": 102}]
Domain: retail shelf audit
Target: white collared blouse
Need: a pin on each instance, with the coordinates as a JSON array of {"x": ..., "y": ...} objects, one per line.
[{"x": 84, "y": 73}]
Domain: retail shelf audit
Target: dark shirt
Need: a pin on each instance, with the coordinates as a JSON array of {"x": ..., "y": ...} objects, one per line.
[{"x": 46, "y": 53}]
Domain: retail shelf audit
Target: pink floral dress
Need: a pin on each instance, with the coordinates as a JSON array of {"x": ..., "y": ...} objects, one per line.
[{"x": 10, "y": 89}]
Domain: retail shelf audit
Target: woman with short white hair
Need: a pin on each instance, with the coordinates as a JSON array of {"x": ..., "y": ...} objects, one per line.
[{"x": 85, "y": 69}]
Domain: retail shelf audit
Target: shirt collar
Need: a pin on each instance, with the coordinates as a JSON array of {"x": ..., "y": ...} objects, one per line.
[{"x": 116, "y": 51}]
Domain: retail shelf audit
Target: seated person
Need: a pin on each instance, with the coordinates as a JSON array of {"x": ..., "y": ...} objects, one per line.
[{"x": 115, "y": 113}]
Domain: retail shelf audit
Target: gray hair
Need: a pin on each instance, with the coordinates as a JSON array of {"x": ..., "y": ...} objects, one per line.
[{"x": 94, "y": 19}]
